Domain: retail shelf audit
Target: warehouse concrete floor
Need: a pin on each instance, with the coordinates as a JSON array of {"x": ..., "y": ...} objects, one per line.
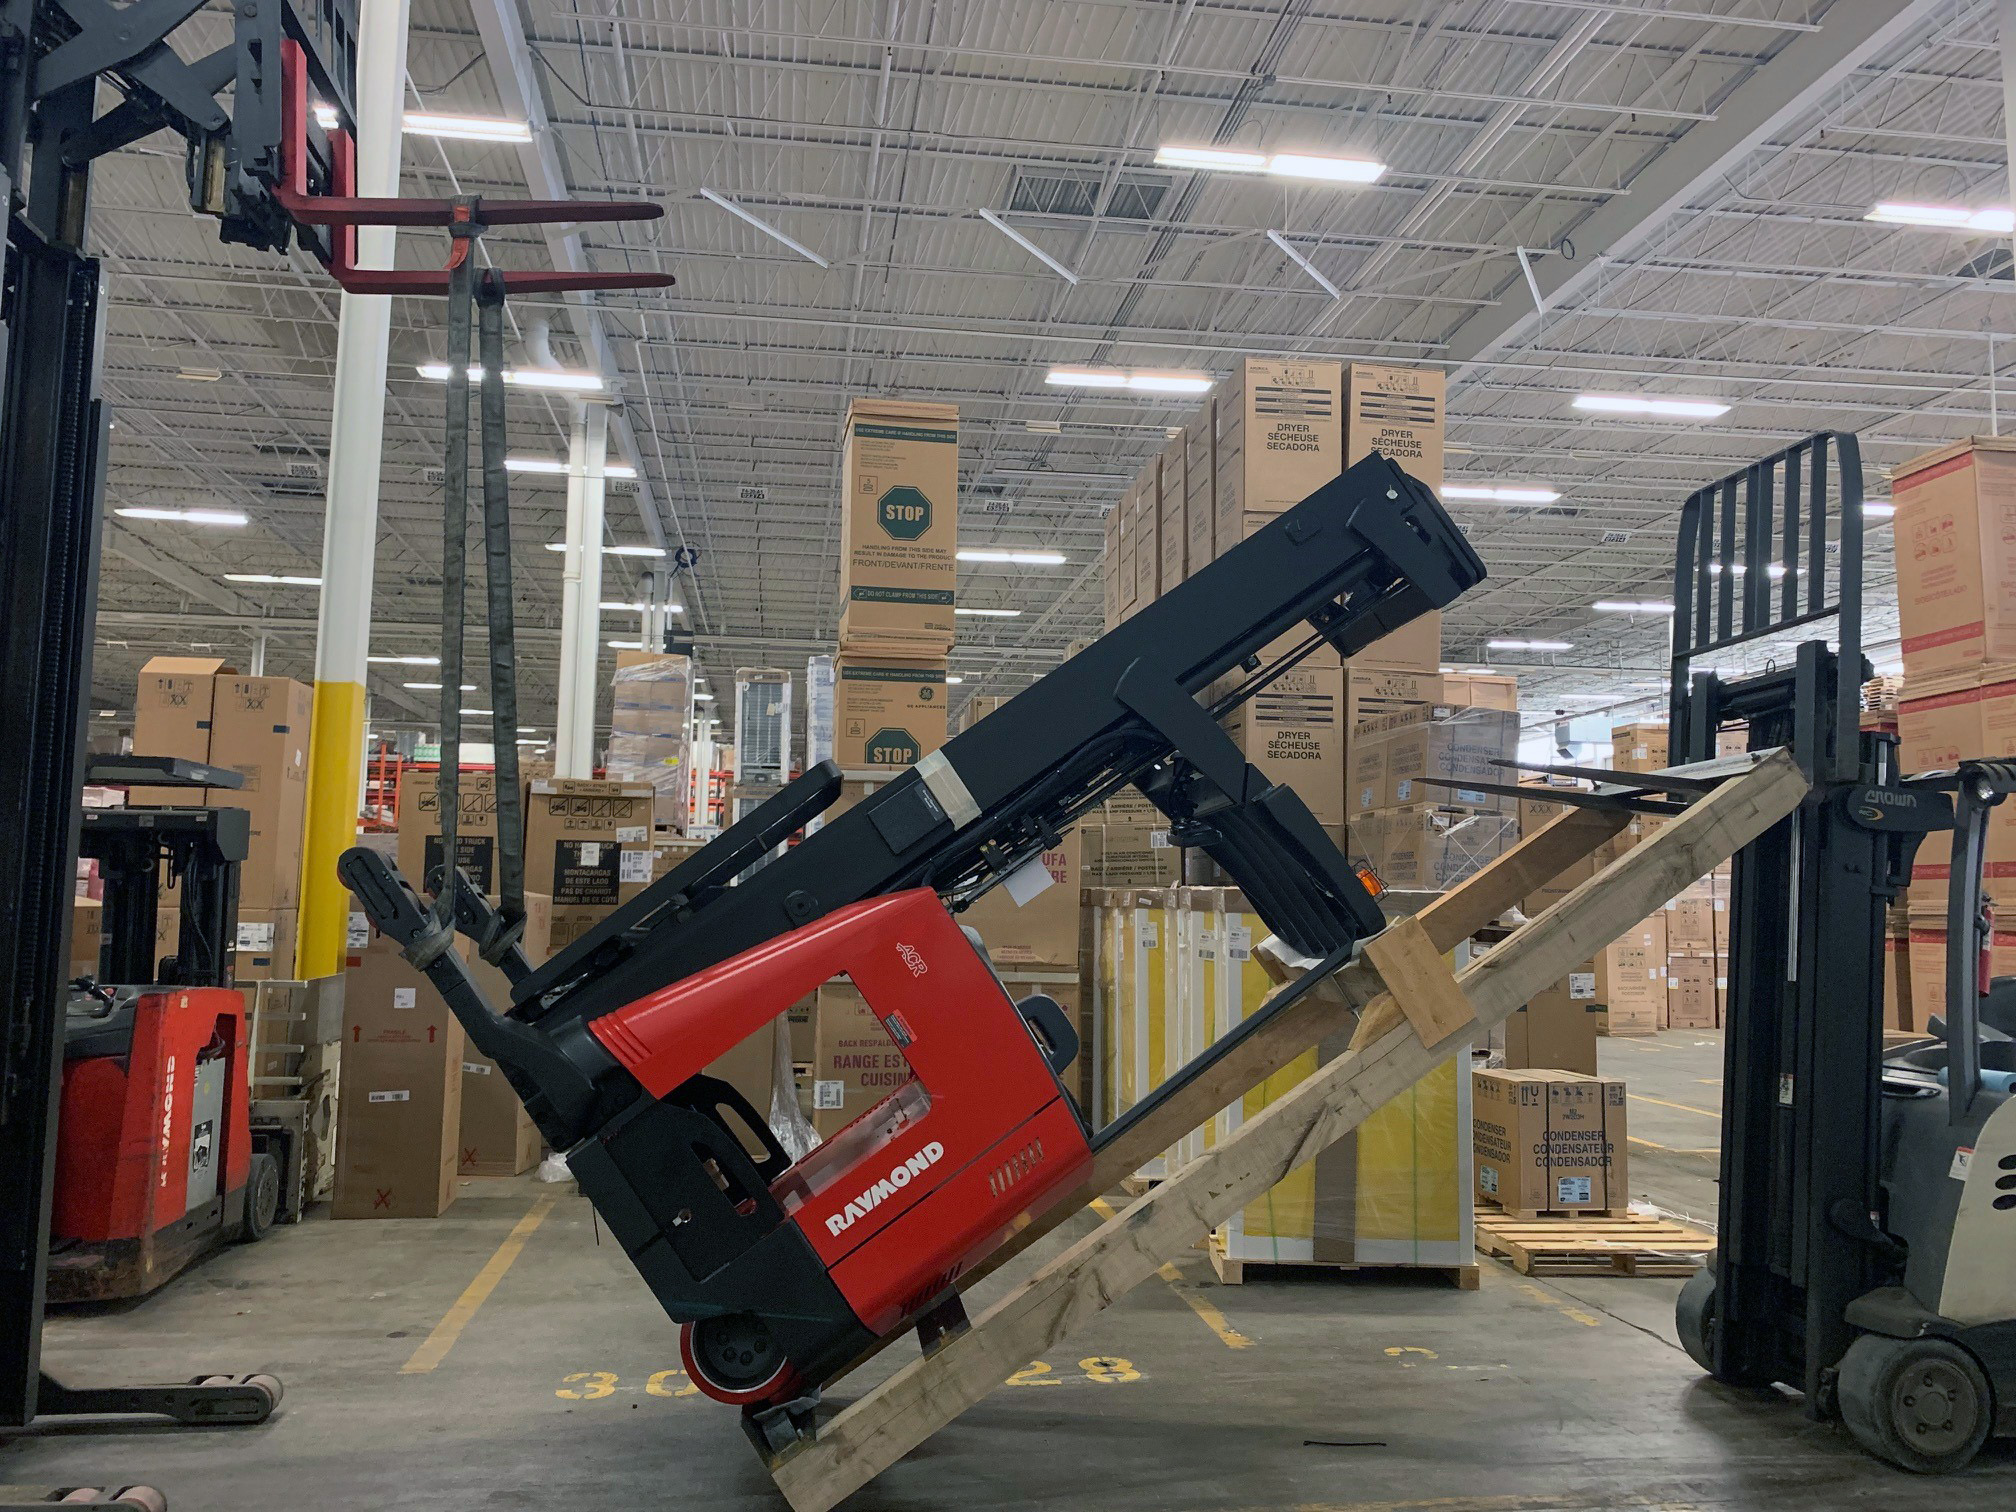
[{"x": 1322, "y": 1394}]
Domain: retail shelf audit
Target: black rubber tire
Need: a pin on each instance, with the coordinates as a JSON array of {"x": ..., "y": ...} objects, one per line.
[
  {"x": 262, "y": 1197},
  {"x": 1694, "y": 1317},
  {"x": 1925, "y": 1405}
]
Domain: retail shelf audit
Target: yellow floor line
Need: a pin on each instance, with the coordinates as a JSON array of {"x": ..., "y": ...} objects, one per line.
[
  {"x": 434, "y": 1348},
  {"x": 1683, "y": 1107},
  {"x": 1709, "y": 1081},
  {"x": 1213, "y": 1319},
  {"x": 1652, "y": 1144}
]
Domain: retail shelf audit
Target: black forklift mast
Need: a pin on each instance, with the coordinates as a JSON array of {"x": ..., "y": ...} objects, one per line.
[
  {"x": 1765, "y": 550},
  {"x": 1360, "y": 557}
]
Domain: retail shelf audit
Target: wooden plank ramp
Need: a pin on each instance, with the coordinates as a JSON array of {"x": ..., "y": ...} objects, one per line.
[
  {"x": 1628, "y": 1244},
  {"x": 895, "y": 1416}
]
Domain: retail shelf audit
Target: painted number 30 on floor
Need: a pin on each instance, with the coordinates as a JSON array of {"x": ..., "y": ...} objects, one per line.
[{"x": 596, "y": 1385}]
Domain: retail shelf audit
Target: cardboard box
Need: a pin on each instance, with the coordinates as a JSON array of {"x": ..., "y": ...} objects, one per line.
[
  {"x": 1548, "y": 1141},
  {"x": 1147, "y": 532},
  {"x": 496, "y": 1136},
  {"x": 475, "y": 828},
  {"x": 1638, "y": 747},
  {"x": 1112, "y": 610},
  {"x": 976, "y": 708},
  {"x": 1898, "y": 1001},
  {"x": 588, "y": 843},
  {"x": 1970, "y": 715},
  {"x": 1042, "y": 931},
  {"x": 1630, "y": 976},
  {"x": 259, "y": 729},
  {"x": 855, "y": 1064},
  {"x": 1556, "y": 1031},
  {"x": 1292, "y": 732},
  {"x": 1693, "y": 992},
  {"x": 886, "y": 713},
  {"x": 1129, "y": 856},
  {"x": 173, "y": 705},
  {"x": 1172, "y": 526},
  {"x": 87, "y": 936},
  {"x": 1399, "y": 413},
  {"x": 1443, "y": 743},
  {"x": 899, "y": 527},
  {"x": 1280, "y": 437},
  {"x": 1955, "y": 533},
  {"x": 267, "y": 939},
  {"x": 400, "y": 1115},
  {"x": 1123, "y": 533},
  {"x": 1200, "y": 500},
  {"x": 1370, "y": 691},
  {"x": 1690, "y": 920}
]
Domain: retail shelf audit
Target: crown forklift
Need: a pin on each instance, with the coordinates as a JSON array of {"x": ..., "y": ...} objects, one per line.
[{"x": 1867, "y": 1253}]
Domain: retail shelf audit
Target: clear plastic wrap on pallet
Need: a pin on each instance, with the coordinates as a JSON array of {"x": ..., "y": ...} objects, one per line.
[
  {"x": 762, "y": 726},
  {"x": 818, "y": 720},
  {"x": 651, "y": 702}
]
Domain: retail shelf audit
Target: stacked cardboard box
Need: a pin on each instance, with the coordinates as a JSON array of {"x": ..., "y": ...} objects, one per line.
[
  {"x": 1126, "y": 844},
  {"x": 475, "y": 828},
  {"x": 899, "y": 475},
  {"x": 1550, "y": 1141},
  {"x": 651, "y": 706},
  {"x": 1697, "y": 946},
  {"x": 401, "y": 1109},
  {"x": 1292, "y": 732},
  {"x": 1936, "y": 730},
  {"x": 1415, "y": 832},
  {"x": 1030, "y": 921},
  {"x": 200, "y": 709},
  {"x": 588, "y": 843},
  {"x": 1638, "y": 747}
]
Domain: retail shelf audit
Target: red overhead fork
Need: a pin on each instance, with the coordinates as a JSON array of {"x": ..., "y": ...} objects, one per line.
[{"x": 463, "y": 218}]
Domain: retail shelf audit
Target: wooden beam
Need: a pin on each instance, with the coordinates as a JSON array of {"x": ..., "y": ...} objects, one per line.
[
  {"x": 895, "y": 1417},
  {"x": 1416, "y": 979}
]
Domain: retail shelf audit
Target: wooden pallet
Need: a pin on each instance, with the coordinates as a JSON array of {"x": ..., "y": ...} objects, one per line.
[
  {"x": 1489, "y": 1209},
  {"x": 1633, "y": 1244},
  {"x": 1139, "y": 1186},
  {"x": 1233, "y": 1272}
]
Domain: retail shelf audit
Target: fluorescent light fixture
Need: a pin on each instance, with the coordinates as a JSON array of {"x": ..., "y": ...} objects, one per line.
[
  {"x": 1302, "y": 165},
  {"x": 764, "y": 226},
  {"x": 624, "y": 645},
  {"x": 533, "y": 378},
  {"x": 1140, "y": 381},
  {"x": 614, "y": 607},
  {"x": 1217, "y": 159},
  {"x": 991, "y": 613},
  {"x": 1029, "y": 246},
  {"x": 1656, "y": 686},
  {"x": 1878, "y": 509},
  {"x": 435, "y": 687},
  {"x": 1645, "y": 404},
  {"x": 636, "y": 551},
  {"x": 556, "y": 467},
  {"x": 532, "y": 741},
  {"x": 1331, "y": 170},
  {"x": 1086, "y": 378},
  {"x": 703, "y": 698},
  {"x": 1529, "y": 645},
  {"x": 1019, "y": 558},
  {"x": 1631, "y": 606},
  {"x": 186, "y": 516},
  {"x": 199, "y": 374},
  {"x": 1993, "y": 219},
  {"x": 1771, "y": 569},
  {"x": 464, "y": 128},
  {"x": 1497, "y": 493},
  {"x": 406, "y": 661},
  {"x": 478, "y": 713},
  {"x": 287, "y": 579},
  {"x": 954, "y": 678}
]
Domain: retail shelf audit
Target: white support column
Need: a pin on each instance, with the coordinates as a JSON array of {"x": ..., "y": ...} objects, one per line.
[
  {"x": 350, "y": 527},
  {"x": 581, "y": 592}
]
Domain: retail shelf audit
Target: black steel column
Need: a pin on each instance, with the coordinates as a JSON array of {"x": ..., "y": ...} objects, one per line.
[{"x": 52, "y": 452}]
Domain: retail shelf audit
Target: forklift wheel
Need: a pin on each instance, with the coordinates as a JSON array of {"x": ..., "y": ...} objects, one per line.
[
  {"x": 1922, "y": 1404},
  {"x": 1694, "y": 1319},
  {"x": 262, "y": 1197}
]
